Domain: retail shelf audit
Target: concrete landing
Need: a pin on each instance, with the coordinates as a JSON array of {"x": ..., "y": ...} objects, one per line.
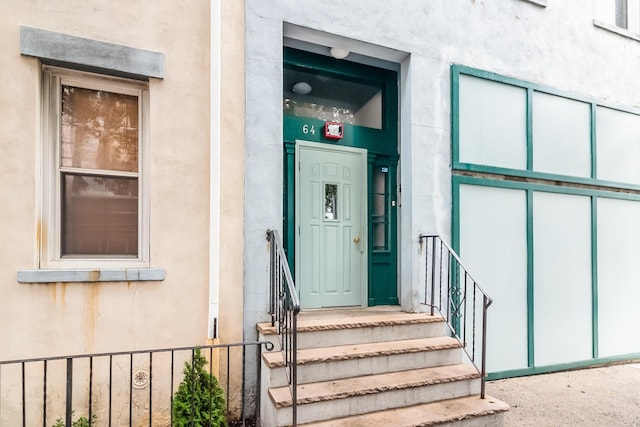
[{"x": 332, "y": 320}]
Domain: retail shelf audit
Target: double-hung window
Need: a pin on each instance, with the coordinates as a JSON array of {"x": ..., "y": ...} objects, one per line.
[{"x": 94, "y": 205}]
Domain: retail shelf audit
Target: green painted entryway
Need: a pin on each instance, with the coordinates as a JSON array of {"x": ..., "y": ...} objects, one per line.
[{"x": 340, "y": 190}]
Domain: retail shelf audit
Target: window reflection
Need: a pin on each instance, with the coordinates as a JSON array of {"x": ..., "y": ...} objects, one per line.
[
  {"x": 99, "y": 215},
  {"x": 380, "y": 216},
  {"x": 99, "y": 130},
  {"x": 333, "y": 99},
  {"x": 331, "y": 201},
  {"x": 99, "y": 211}
]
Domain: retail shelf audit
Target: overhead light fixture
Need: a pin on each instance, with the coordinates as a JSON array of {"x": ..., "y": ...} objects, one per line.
[
  {"x": 301, "y": 88},
  {"x": 339, "y": 53}
]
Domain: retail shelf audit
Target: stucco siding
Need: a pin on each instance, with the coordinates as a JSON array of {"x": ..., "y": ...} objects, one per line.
[
  {"x": 65, "y": 318},
  {"x": 556, "y": 45}
]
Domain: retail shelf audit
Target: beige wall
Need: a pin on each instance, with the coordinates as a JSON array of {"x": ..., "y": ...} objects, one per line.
[
  {"x": 232, "y": 93},
  {"x": 71, "y": 318},
  {"x": 67, "y": 318},
  {"x": 231, "y": 169}
]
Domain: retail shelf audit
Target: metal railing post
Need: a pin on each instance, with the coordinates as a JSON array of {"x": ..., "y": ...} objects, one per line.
[
  {"x": 433, "y": 274},
  {"x": 69, "y": 402},
  {"x": 24, "y": 400},
  {"x": 271, "y": 276},
  {"x": 258, "y": 397},
  {"x": 286, "y": 304},
  {"x": 57, "y": 388},
  {"x": 294, "y": 394},
  {"x": 90, "y": 391},
  {"x": 485, "y": 307},
  {"x": 456, "y": 310},
  {"x": 44, "y": 395}
]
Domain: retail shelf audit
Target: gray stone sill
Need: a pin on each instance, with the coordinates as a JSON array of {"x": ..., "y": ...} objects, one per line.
[
  {"x": 92, "y": 275},
  {"x": 541, "y": 3},
  {"x": 617, "y": 30}
]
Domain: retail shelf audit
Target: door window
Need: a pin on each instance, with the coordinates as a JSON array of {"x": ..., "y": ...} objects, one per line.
[
  {"x": 331, "y": 202},
  {"x": 380, "y": 216}
]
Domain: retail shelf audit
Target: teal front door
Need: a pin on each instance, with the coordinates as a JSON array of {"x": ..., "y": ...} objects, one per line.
[{"x": 331, "y": 214}]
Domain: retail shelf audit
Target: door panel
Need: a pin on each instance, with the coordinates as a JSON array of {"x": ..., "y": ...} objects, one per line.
[{"x": 331, "y": 211}]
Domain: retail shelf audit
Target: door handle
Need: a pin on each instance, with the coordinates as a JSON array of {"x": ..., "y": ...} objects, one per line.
[{"x": 358, "y": 241}]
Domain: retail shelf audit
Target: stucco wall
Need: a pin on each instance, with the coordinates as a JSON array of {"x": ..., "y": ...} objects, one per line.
[
  {"x": 231, "y": 172},
  {"x": 557, "y": 46},
  {"x": 66, "y": 318}
]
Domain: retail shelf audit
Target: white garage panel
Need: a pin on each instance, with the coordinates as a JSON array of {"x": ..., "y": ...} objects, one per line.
[
  {"x": 561, "y": 135},
  {"x": 493, "y": 245},
  {"x": 618, "y": 277},
  {"x": 492, "y": 123},
  {"x": 618, "y": 145},
  {"x": 562, "y": 278}
]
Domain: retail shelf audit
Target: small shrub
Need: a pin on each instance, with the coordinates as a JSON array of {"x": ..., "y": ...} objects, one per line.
[
  {"x": 199, "y": 400},
  {"x": 80, "y": 422}
]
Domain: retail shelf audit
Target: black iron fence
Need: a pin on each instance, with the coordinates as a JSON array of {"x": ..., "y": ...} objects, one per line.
[
  {"x": 200, "y": 385},
  {"x": 454, "y": 294},
  {"x": 284, "y": 307}
]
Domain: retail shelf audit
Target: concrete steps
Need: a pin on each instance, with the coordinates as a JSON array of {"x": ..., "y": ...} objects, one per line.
[
  {"x": 470, "y": 411},
  {"x": 356, "y": 367},
  {"x": 329, "y": 363},
  {"x": 358, "y": 395},
  {"x": 319, "y": 330}
]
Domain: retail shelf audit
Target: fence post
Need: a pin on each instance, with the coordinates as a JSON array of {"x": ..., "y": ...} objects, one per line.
[
  {"x": 69, "y": 403},
  {"x": 294, "y": 370},
  {"x": 433, "y": 274},
  {"x": 485, "y": 306}
]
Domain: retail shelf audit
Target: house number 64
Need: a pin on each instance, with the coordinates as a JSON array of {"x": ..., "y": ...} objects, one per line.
[{"x": 308, "y": 129}]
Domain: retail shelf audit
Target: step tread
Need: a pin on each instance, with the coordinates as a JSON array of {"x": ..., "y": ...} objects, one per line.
[
  {"x": 369, "y": 384},
  {"x": 426, "y": 414},
  {"x": 354, "y": 321},
  {"x": 359, "y": 351}
]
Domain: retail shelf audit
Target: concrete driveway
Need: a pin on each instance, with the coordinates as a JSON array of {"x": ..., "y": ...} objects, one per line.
[{"x": 607, "y": 396}]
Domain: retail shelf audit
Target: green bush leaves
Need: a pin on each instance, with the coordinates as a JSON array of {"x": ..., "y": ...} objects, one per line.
[{"x": 199, "y": 400}]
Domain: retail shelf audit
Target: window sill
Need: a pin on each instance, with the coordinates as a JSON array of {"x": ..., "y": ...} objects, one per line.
[
  {"x": 541, "y": 3},
  {"x": 617, "y": 30},
  {"x": 97, "y": 275}
]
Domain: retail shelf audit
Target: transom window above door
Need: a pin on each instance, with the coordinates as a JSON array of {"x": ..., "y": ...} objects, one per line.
[{"x": 329, "y": 98}]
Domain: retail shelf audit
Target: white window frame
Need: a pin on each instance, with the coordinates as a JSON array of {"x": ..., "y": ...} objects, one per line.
[
  {"x": 610, "y": 12},
  {"x": 50, "y": 212},
  {"x": 633, "y": 16},
  {"x": 629, "y": 10}
]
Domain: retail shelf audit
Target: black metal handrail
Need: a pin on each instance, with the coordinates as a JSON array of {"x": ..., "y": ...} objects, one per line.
[
  {"x": 458, "y": 298},
  {"x": 284, "y": 307},
  {"x": 119, "y": 388}
]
